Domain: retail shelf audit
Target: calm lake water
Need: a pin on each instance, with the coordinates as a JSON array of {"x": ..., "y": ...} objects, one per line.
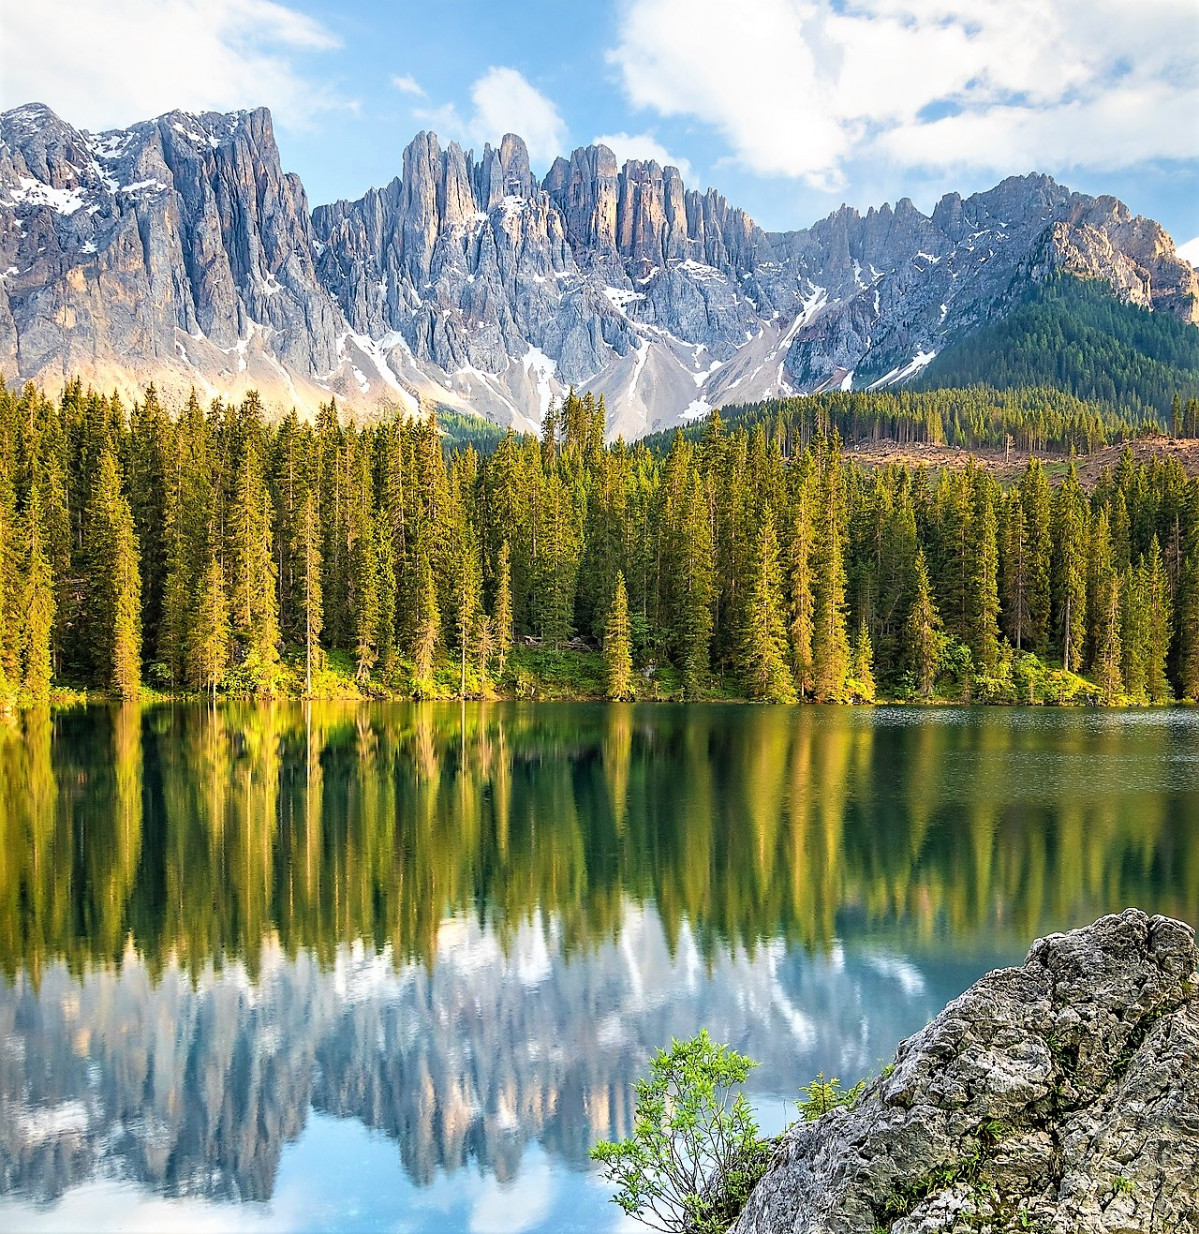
[{"x": 398, "y": 967}]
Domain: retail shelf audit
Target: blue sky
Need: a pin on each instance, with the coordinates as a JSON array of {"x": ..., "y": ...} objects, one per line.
[{"x": 789, "y": 107}]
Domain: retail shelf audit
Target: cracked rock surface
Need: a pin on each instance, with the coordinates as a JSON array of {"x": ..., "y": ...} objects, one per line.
[{"x": 1059, "y": 1096}]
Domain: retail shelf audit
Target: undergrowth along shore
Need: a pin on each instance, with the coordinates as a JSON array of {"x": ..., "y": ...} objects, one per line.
[{"x": 537, "y": 674}]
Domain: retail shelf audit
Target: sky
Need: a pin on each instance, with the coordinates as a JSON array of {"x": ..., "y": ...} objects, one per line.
[{"x": 788, "y": 107}]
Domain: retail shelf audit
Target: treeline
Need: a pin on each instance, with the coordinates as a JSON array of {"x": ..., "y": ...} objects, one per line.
[
  {"x": 970, "y": 418},
  {"x": 1076, "y": 335},
  {"x": 194, "y": 550}
]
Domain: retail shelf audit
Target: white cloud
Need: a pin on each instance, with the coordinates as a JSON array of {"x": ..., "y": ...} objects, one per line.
[
  {"x": 407, "y": 84},
  {"x": 1190, "y": 251},
  {"x": 803, "y": 87},
  {"x": 643, "y": 146},
  {"x": 504, "y": 102},
  {"x": 106, "y": 65}
]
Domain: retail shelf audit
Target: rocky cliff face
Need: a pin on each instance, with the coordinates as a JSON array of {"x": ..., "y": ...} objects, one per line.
[
  {"x": 1059, "y": 1096},
  {"x": 179, "y": 251}
]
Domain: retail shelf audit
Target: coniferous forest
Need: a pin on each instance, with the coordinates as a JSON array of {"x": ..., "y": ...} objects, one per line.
[{"x": 208, "y": 549}]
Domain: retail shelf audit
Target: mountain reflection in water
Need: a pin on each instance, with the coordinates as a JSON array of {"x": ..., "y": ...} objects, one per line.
[{"x": 466, "y": 928}]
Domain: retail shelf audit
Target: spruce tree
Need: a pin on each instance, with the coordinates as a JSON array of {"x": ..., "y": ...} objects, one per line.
[
  {"x": 983, "y": 601},
  {"x": 801, "y": 626},
  {"x": 501, "y": 615},
  {"x": 1016, "y": 611},
  {"x": 1188, "y": 627},
  {"x": 113, "y": 610},
  {"x": 427, "y": 630},
  {"x": 312, "y": 600},
  {"x": 1036, "y": 503},
  {"x": 1134, "y": 635},
  {"x": 37, "y": 607},
  {"x": 208, "y": 658},
  {"x": 697, "y": 592},
  {"x": 764, "y": 650},
  {"x": 253, "y": 594},
  {"x": 861, "y": 667},
  {"x": 618, "y": 645},
  {"x": 923, "y": 632},
  {"x": 1156, "y": 598},
  {"x": 1070, "y": 570},
  {"x": 830, "y": 640}
]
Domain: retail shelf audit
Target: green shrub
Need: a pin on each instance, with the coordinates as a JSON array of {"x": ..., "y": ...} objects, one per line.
[{"x": 695, "y": 1153}]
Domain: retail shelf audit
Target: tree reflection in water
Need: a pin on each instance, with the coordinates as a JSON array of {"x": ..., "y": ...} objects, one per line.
[{"x": 466, "y": 927}]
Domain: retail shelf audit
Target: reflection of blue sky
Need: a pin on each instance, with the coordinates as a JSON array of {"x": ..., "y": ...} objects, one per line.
[
  {"x": 341, "y": 1177},
  {"x": 521, "y": 1052}
]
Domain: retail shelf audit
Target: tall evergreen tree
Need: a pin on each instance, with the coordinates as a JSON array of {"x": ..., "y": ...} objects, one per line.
[
  {"x": 208, "y": 657},
  {"x": 312, "y": 598},
  {"x": 764, "y": 650},
  {"x": 696, "y": 591},
  {"x": 427, "y": 629},
  {"x": 1036, "y": 503},
  {"x": 253, "y": 595},
  {"x": 1156, "y": 599},
  {"x": 113, "y": 611},
  {"x": 1070, "y": 570},
  {"x": 830, "y": 640},
  {"x": 37, "y": 607},
  {"x": 501, "y": 615},
  {"x": 861, "y": 667},
  {"x": 923, "y": 632},
  {"x": 801, "y": 627},
  {"x": 618, "y": 645},
  {"x": 984, "y": 591}
]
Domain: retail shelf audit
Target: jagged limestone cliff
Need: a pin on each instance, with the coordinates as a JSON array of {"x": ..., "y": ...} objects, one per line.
[{"x": 179, "y": 251}]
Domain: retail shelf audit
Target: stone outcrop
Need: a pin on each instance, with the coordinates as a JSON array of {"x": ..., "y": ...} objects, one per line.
[
  {"x": 178, "y": 250},
  {"x": 1059, "y": 1096}
]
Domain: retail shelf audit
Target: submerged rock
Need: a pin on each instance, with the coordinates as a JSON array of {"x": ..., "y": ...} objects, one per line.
[{"x": 1059, "y": 1096}]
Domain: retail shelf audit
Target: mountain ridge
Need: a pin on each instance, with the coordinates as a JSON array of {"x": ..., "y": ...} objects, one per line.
[{"x": 178, "y": 251}]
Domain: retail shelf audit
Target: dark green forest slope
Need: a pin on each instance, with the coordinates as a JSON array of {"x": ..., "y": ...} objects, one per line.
[{"x": 1075, "y": 335}]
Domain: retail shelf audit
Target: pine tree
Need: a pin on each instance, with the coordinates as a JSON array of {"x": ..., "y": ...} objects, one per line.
[
  {"x": 113, "y": 584},
  {"x": 923, "y": 632},
  {"x": 764, "y": 651},
  {"x": 618, "y": 645},
  {"x": 37, "y": 607}
]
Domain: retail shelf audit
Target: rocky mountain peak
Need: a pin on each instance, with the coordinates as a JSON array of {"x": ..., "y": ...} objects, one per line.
[{"x": 178, "y": 250}]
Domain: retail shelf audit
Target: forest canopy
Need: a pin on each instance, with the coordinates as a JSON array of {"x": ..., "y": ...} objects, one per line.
[{"x": 198, "y": 548}]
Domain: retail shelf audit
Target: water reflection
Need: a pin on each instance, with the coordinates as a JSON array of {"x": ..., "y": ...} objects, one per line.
[{"x": 465, "y": 928}]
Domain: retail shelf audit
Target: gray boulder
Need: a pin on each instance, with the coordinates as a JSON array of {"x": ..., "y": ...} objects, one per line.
[{"x": 1059, "y": 1096}]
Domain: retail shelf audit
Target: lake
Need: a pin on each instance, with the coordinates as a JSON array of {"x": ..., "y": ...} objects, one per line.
[{"x": 397, "y": 967}]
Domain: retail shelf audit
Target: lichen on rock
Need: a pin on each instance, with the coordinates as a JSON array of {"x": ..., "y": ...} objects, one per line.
[{"x": 1061, "y": 1096}]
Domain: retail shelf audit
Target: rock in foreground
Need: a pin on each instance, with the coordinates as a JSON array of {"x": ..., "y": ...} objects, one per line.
[{"x": 1059, "y": 1096}]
